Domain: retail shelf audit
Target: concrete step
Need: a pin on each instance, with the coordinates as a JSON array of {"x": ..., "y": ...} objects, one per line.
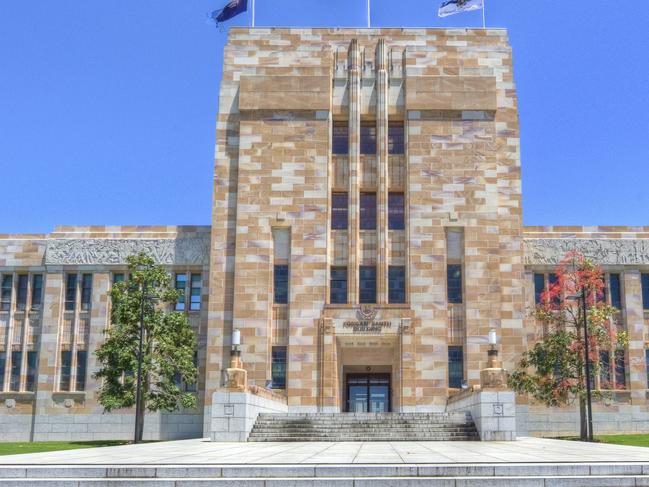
[{"x": 344, "y": 475}]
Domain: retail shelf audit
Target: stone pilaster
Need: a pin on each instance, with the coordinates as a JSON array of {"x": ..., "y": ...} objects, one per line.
[{"x": 354, "y": 169}]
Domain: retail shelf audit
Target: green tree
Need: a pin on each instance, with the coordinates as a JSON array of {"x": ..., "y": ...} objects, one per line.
[
  {"x": 553, "y": 370},
  {"x": 169, "y": 344}
]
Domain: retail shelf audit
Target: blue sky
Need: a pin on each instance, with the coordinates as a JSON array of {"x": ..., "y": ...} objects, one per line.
[{"x": 107, "y": 109}]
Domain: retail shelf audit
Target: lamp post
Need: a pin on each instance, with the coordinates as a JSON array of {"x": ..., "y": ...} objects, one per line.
[{"x": 493, "y": 351}]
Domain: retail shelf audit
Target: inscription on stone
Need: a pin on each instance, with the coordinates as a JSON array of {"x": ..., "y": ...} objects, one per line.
[
  {"x": 365, "y": 327},
  {"x": 550, "y": 251}
]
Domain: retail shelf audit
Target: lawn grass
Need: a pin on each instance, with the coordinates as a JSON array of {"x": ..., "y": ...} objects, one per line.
[
  {"x": 45, "y": 446},
  {"x": 631, "y": 440}
]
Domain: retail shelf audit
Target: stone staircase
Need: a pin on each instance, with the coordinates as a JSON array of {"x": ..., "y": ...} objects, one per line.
[{"x": 364, "y": 427}]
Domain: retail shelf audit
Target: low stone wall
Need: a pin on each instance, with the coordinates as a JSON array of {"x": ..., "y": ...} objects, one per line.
[
  {"x": 234, "y": 412},
  {"x": 493, "y": 412}
]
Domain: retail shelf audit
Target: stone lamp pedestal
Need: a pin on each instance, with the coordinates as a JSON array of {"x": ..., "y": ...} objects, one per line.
[
  {"x": 236, "y": 377},
  {"x": 494, "y": 376}
]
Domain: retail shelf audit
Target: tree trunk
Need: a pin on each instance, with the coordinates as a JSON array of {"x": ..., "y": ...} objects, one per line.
[
  {"x": 582, "y": 420},
  {"x": 145, "y": 388}
]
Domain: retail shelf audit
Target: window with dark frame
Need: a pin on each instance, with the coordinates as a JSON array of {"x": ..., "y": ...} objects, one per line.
[
  {"x": 21, "y": 292},
  {"x": 278, "y": 368},
  {"x": 180, "y": 284},
  {"x": 86, "y": 291},
  {"x": 118, "y": 277},
  {"x": 454, "y": 283},
  {"x": 605, "y": 369},
  {"x": 5, "y": 292},
  {"x": 3, "y": 365},
  {"x": 396, "y": 211},
  {"x": 552, "y": 279},
  {"x": 368, "y": 138},
  {"x": 539, "y": 288},
  {"x": 620, "y": 369},
  {"x": 397, "y": 284},
  {"x": 37, "y": 291},
  {"x": 340, "y": 138},
  {"x": 367, "y": 284},
  {"x": 644, "y": 281},
  {"x": 70, "y": 292},
  {"x": 82, "y": 360},
  {"x": 195, "y": 282},
  {"x": 32, "y": 369},
  {"x": 280, "y": 283},
  {"x": 368, "y": 211},
  {"x": 455, "y": 367},
  {"x": 340, "y": 211},
  {"x": 396, "y": 138},
  {"x": 338, "y": 285},
  {"x": 615, "y": 291},
  {"x": 65, "y": 370},
  {"x": 16, "y": 367}
]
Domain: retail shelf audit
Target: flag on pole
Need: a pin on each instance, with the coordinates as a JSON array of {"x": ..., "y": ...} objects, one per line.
[
  {"x": 232, "y": 9},
  {"x": 451, "y": 7}
]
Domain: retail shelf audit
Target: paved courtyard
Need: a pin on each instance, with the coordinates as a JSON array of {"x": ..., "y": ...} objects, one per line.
[{"x": 204, "y": 452}]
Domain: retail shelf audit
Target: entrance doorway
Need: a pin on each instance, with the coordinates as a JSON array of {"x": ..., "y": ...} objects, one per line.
[{"x": 368, "y": 393}]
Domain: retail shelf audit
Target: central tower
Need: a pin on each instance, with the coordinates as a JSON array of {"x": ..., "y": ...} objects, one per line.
[{"x": 367, "y": 214}]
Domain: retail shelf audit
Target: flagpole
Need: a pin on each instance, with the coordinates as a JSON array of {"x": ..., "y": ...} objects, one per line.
[
  {"x": 253, "y": 13},
  {"x": 484, "y": 7},
  {"x": 369, "y": 24}
]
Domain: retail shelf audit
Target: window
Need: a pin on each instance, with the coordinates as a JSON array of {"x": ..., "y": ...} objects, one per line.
[
  {"x": 396, "y": 211},
  {"x": 339, "y": 215},
  {"x": 620, "y": 369},
  {"x": 119, "y": 277},
  {"x": 397, "y": 284},
  {"x": 396, "y": 138},
  {"x": 278, "y": 368},
  {"x": 539, "y": 288},
  {"x": 3, "y": 365},
  {"x": 180, "y": 284},
  {"x": 32, "y": 367},
  {"x": 340, "y": 138},
  {"x": 616, "y": 292},
  {"x": 21, "y": 292},
  {"x": 455, "y": 367},
  {"x": 646, "y": 361},
  {"x": 82, "y": 360},
  {"x": 195, "y": 292},
  {"x": 604, "y": 369},
  {"x": 454, "y": 283},
  {"x": 552, "y": 279},
  {"x": 280, "y": 284},
  {"x": 368, "y": 211},
  {"x": 70, "y": 292},
  {"x": 338, "y": 288},
  {"x": 16, "y": 366},
  {"x": 367, "y": 284},
  {"x": 66, "y": 370},
  {"x": 86, "y": 291},
  {"x": 5, "y": 292},
  {"x": 644, "y": 279},
  {"x": 368, "y": 138},
  {"x": 37, "y": 291}
]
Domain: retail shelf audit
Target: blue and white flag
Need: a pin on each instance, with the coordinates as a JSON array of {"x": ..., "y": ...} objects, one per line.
[
  {"x": 451, "y": 7},
  {"x": 233, "y": 8}
]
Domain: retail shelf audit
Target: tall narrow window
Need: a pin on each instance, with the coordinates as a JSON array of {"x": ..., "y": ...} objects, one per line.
[
  {"x": 278, "y": 368},
  {"x": 367, "y": 284},
  {"x": 86, "y": 291},
  {"x": 32, "y": 368},
  {"x": 605, "y": 369},
  {"x": 66, "y": 370},
  {"x": 644, "y": 280},
  {"x": 340, "y": 211},
  {"x": 455, "y": 367},
  {"x": 616, "y": 291},
  {"x": 21, "y": 292},
  {"x": 552, "y": 279},
  {"x": 368, "y": 138},
  {"x": 195, "y": 291},
  {"x": 620, "y": 369},
  {"x": 396, "y": 211},
  {"x": 338, "y": 287},
  {"x": 280, "y": 283},
  {"x": 70, "y": 292},
  {"x": 368, "y": 211},
  {"x": 37, "y": 291},
  {"x": 5, "y": 292},
  {"x": 397, "y": 284},
  {"x": 180, "y": 284},
  {"x": 16, "y": 366},
  {"x": 539, "y": 288},
  {"x": 454, "y": 283},
  {"x": 340, "y": 138},
  {"x": 396, "y": 139},
  {"x": 3, "y": 365},
  {"x": 82, "y": 363},
  {"x": 454, "y": 262}
]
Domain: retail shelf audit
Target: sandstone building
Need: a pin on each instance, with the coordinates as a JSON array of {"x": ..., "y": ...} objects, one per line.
[{"x": 367, "y": 234}]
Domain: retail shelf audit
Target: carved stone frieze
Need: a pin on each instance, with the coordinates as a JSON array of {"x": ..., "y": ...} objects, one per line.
[
  {"x": 98, "y": 251},
  {"x": 550, "y": 251}
]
